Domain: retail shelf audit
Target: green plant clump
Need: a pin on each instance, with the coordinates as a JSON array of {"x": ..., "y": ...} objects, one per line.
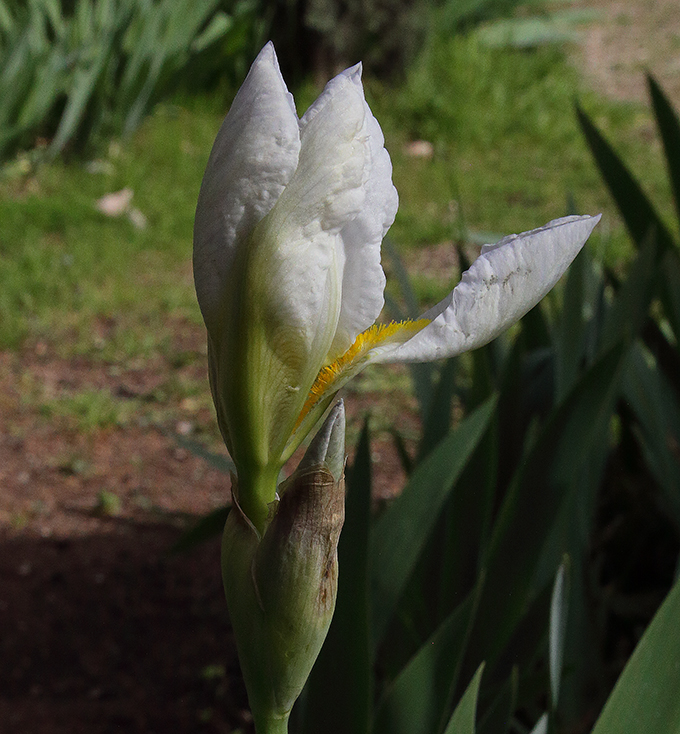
[
  {"x": 466, "y": 568},
  {"x": 71, "y": 77}
]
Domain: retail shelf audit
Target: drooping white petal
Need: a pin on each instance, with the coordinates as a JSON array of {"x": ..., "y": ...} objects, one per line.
[
  {"x": 305, "y": 256},
  {"x": 505, "y": 282},
  {"x": 252, "y": 160}
]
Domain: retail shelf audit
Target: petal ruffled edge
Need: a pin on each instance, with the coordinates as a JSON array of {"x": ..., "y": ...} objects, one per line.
[
  {"x": 505, "y": 281},
  {"x": 363, "y": 282}
]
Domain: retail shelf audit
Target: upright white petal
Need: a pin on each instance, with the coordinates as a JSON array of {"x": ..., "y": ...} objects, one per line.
[
  {"x": 505, "y": 282},
  {"x": 363, "y": 281},
  {"x": 305, "y": 256},
  {"x": 252, "y": 160}
]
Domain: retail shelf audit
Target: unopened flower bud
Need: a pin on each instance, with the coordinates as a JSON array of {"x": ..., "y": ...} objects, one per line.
[
  {"x": 328, "y": 446},
  {"x": 281, "y": 587}
]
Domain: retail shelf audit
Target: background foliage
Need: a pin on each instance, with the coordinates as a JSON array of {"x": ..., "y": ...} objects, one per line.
[
  {"x": 70, "y": 74},
  {"x": 76, "y": 71}
]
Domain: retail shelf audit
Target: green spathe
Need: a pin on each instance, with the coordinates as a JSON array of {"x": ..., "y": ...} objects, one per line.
[{"x": 281, "y": 589}]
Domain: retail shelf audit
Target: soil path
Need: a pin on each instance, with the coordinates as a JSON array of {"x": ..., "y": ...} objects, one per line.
[{"x": 627, "y": 39}]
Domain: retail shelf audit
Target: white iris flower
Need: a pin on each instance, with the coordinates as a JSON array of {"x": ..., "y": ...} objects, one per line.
[{"x": 289, "y": 223}]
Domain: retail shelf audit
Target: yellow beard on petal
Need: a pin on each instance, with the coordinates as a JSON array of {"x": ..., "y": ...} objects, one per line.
[{"x": 377, "y": 335}]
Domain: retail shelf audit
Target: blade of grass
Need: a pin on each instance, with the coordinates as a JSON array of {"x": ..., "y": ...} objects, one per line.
[
  {"x": 559, "y": 609},
  {"x": 82, "y": 86},
  {"x": 645, "y": 698},
  {"x": 635, "y": 208},
  {"x": 569, "y": 335},
  {"x": 419, "y": 699},
  {"x": 463, "y": 719},
  {"x": 669, "y": 128},
  {"x": 422, "y": 374},
  {"x": 497, "y": 716},
  {"x": 638, "y": 214},
  {"x": 627, "y": 314},
  {"x": 655, "y": 405},
  {"x": 532, "y": 504},
  {"x": 437, "y": 422}
]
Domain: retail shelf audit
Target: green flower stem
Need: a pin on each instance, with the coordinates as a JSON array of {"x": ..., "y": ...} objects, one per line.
[
  {"x": 256, "y": 492},
  {"x": 270, "y": 724}
]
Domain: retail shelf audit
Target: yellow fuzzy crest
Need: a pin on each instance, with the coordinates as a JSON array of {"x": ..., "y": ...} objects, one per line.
[{"x": 375, "y": 336}]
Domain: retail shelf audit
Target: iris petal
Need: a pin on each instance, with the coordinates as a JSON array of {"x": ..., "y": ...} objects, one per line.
[
  {"x": 252, "y": 160},
  {"x": 305, "y": 258},
  {"x": 506, "y": 281}
]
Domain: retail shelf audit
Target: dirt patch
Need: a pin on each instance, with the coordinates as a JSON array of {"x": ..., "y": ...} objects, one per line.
[
  {"x": 104, "y": 632},
  {"x": 629, "y": 38},
  {"x": 101, "y": 630},
  {"x": 72, "y": 429}
]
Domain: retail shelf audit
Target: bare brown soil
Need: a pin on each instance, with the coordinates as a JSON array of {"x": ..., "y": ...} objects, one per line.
[
  {"x": 627, "y": 39},
  {"x": 100, "y": 629},
  {"x": 104, "y": 632}
]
